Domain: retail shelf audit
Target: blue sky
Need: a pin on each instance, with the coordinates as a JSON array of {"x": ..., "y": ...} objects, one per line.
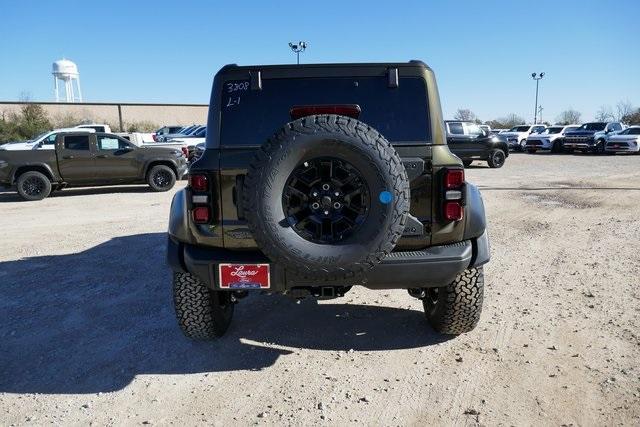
[{"x": 483, "y": 52}]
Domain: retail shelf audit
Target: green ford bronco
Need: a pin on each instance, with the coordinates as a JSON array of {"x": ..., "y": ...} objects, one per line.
[{"x": 316, "y": 178}]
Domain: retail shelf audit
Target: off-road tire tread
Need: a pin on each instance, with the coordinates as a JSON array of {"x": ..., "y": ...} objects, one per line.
[
  {"x": 375, "y": 143},
  {"x": 194, "y": 308},
  {"x": 460, "y": 303}
]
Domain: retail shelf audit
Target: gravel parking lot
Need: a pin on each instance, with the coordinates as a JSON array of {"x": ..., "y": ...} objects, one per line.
[{"x": 88, "y": 331}]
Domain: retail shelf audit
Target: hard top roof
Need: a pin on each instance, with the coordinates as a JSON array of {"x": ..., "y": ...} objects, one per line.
[{"x": 412, "y": 63}]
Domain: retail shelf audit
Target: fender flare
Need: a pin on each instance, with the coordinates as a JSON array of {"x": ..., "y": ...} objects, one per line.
[
  {"x": 475, "y": 221},
  {"x": 35, "y": 166},
  {"x": 178, "y": 220},
  {"x": 147, "y": 164}
]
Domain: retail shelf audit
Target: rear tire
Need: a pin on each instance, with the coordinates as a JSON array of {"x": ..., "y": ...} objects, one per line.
[
  {"x": 161, "y": 178},
  {"x": 202, "y": 314},
  {"x": 455, "y": 309},
  {"x": 33, "y": 186},
  {"x": 496, "y": 158}
]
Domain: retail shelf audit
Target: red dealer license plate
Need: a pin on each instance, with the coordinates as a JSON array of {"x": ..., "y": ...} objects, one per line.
[{"x": 244, "y": 276}]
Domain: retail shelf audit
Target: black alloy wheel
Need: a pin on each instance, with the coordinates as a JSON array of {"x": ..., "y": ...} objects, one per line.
[
  {"x": 325, "y": 200},
  {"x": 33, "y": 186},
  {"x": 162, "y": 178}
]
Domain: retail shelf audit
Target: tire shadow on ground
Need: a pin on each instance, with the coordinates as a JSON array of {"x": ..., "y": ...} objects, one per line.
[{"x": 91, "y": 321}]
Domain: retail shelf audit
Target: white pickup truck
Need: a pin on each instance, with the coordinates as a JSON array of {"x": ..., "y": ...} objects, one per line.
[{"x": 44, "y": 141}]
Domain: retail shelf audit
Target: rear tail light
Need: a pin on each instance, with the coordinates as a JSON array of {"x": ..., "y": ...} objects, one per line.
[
  {"x": 452, "y": 193},
  {"x": 198, "y": 182},
  {"x": 453, "y": 211},
  {"x": 185, "y": 151},
  {"x": 349, "y": 110},
  {"x": 453, "y": 178},
  {"x": 155, "y": 138},
  {"x": 201, "y": 215}
]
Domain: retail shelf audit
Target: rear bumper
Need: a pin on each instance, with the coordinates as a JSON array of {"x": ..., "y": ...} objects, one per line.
[{"x": 432, "y": 267}]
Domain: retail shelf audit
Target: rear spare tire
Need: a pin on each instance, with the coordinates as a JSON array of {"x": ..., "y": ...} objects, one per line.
[
  {"x": 327, "y": 196},
  {"x": 33, "y": 185}
]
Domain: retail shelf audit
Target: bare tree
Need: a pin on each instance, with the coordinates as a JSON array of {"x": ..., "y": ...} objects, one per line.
[
  {"x": 632, "y": 118},
  {"x": 568, "y": 117},
  {"x": 623, "y": 108},
  {"x": 605, "y": 114},
  {"x": 512, "y": 120},
  {"x": 464, "y": 114}
]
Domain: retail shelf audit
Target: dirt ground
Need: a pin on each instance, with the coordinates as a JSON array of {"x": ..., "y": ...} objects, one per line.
[{"x": 88, "y": 334}]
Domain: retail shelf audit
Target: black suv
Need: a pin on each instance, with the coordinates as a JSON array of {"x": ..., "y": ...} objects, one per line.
[
  {"x": 316, "y": 178},
  {"x": 470, "y": 142}
]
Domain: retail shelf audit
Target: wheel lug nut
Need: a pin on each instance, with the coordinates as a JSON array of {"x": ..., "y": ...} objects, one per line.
[
  {"x": 336, "y": 194},
  {"x": 315, "y": 194},
  {"x": 325, "y": 187},
  {"x": 337, "y": 205},
  {"x": 326, "y": 212},
  {"x": 315, "y": 205}
]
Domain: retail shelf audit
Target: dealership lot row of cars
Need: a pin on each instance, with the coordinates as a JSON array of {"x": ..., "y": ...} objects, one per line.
[
  {"x": 91, "y": 154},
  {"x": 470, "y": 141}
]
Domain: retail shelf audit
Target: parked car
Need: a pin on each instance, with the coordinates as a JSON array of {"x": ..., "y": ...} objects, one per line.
[
  {"x": 486, "y": 128},
  {"x": 191, "y": 140},
  {"x": 44, "y": 141},
  {"x": 138, "y": 138},
  {"x": 516, "y": 137},
  {"x": 98, "y": 127},
  {"x": 626, "y": 141},
  {"x": 591, "y": 137},
  {"x": 470, "y": 142},
  {"x": 549, "y": 140},
  {"x": 298, "y": 193},
  {"x": 82, "y": 159},
  {"x": 167, "y": 130},
  {"x": 182, "y": 133}
]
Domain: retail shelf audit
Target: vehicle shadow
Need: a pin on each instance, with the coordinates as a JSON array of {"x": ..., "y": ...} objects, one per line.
[
  {"x": 12, "y": 196},
  {"x": 90, "y": 322}
]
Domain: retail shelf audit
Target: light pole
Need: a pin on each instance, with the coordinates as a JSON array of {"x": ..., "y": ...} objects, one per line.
[
  {"x": 537, "y": 78},
  {"x": 297, "y": 48},
  {"x": 540, "y": 113}
]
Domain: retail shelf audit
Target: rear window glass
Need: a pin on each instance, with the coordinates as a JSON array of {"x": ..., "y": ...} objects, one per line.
[
  {"x": 250, "y": 117},
  {"x": 76, "y": 142}
]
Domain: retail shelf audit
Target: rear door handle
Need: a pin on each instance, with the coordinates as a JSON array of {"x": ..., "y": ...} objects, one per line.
[{"x": 67, "y": 157}]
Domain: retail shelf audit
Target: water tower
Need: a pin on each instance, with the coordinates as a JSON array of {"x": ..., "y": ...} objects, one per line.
[{"x": 67, "y": 71}]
